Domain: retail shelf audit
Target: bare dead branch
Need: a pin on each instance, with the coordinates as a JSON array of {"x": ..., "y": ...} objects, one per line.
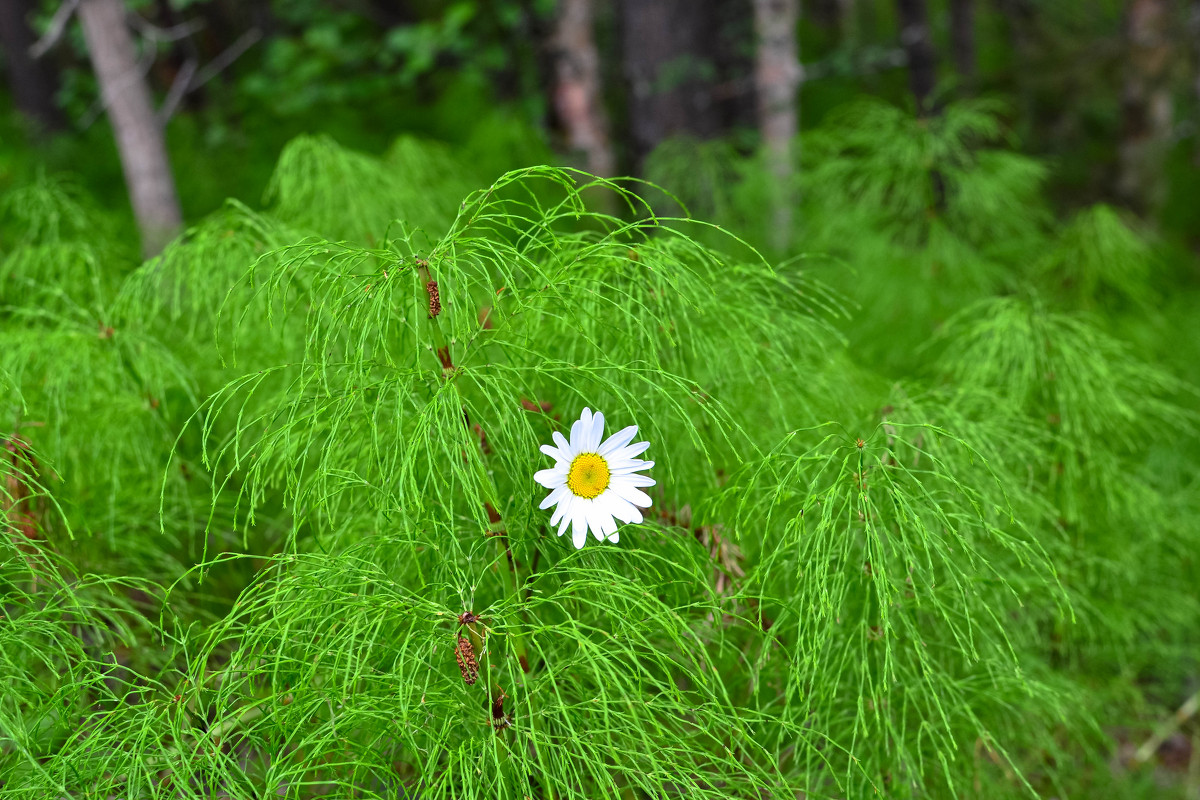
[
  {"x": 190, "y": 79},
  {"x": 227, "y": 57},
  {"x": 1182, "y": 715},
  {"x": 173, "y": 34},
  {"x": 54, "y": 32},
  {"x": 179, "y": 87}
]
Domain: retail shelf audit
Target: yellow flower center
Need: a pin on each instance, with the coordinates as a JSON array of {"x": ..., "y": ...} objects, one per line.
[{"x": 588, "y": 476}]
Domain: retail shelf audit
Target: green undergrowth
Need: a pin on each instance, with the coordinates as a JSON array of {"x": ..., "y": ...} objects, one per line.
[{"x": 925, "y": 531}]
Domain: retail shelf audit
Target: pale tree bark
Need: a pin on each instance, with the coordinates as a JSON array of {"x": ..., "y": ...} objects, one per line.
[
  {"x": 962, "y": 39},
  {"x": 32, "y": 81},
  {"x": 917, "y": 41},
  {"x": 777, "y": 77},
  {"x": 578, "y": 100},
  {"x": 1146, "y": 107},
  {"x": 139, "y": 133}
]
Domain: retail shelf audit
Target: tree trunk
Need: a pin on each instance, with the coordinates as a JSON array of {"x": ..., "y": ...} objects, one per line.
[
  {"x": 682, "y": 69},
  {"x": 918, "y": 46},
  {"x": 1194, "y": 28},
  {"x": 33, "y": 82},
  {"x": 962, "y": 39},
  {"x": 1021, "y": 20},
  {"x": 577, "y": 94},
  {"x": 848, "y": 23},
  {"x": 1145, "y": 104},
  {"x": 776, "y": 79},
  {"x": 140, "y": 138}
]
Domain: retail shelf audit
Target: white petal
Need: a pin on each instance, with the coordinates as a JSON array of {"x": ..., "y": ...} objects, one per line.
[
  {"x": 563, "y": 513},
  {"x": 551, "y": 478},
  {"x": 564, "y": 446},
  {"x": 597, "y": 515},
  {"x": 554, "y": 497},
  {"x": 597, "y": 432},
  {"x": 631, "y": 494},
  {"x": 614, "y": 537},
  {"x": 579, "y": 526},
  {"x": 580, "y": 429},
  {"x": 626, "y": 467},
  {"x": 632, "y": 450},
  {"x": 560, "y": 512},
  {"x": 618, "y": 440},
  {"x": 635, "y": 479},
  {"x": 610, "y": 525},
  {"x": 553, "y": 452},
  {"x": 624, "y": 510},
  {"x": 579, "y": 515}
]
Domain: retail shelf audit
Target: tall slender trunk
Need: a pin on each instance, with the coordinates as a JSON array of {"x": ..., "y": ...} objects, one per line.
[
  {"x": 917, "y": 41},
  {"x": 1194, "y": 29},
  {"x": 1020, "y": 17},
  {"x": 681, "y": 68},
  {"x": 1145, "y": 104},
  {"x": 578, "y": 99},
  {"x": 140, "y": 137},
  {"x": 32, "y": 81},
  {"x": 962, "y": 39},
  {"x": 848, "y": 22},
  {"x": 777, "y": 76}
]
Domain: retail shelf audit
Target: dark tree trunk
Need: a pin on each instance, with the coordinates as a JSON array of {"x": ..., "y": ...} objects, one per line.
[
  {"x": 1146, "y": 106},
  {"x": 917, "y": 41},
  {"x": 848, "y": 22},
  {"x": 1194, "y": 28},
  {"x": 33, "y": 82},
  {"x": 140, "y": 138},
  {"x": 962, "y": 39},
  {"x": 1019, "y": 15},
  {"x": 578, "y": 101},
  {"x": 1020, "y": 20},
  {"x": 683, "y": 70},
  {"x": 776, "y": 79}
]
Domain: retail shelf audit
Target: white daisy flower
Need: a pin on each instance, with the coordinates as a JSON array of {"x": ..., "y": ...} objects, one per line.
[{"x": 595, "y": 484}]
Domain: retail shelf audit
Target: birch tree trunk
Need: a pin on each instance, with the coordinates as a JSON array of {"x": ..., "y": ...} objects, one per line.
[
  {"x": 32, "y": 81},
  {"x": 1146, "y": 107},
  {"x": 777, "y": 77},
  {"x": 140, "y": 137},
  {"x": 577, "y": 90},
  {"x": 917, "y": 41}
]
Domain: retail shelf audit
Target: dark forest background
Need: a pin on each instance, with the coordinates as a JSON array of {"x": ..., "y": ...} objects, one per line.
[{"x": 1106, "y": 92}]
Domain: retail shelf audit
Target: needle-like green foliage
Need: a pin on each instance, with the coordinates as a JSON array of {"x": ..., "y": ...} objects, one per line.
[{"x": 270, "y": 526}]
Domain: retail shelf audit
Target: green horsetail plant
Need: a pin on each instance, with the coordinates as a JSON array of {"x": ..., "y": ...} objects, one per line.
[
  {"x": 888, "y": 570},
  {"x": 284, "y": 485},
  {"x": 798, "y": 611},
  {"x": 1115, "y": 432},
  {"x": 66, "y": 639}
]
